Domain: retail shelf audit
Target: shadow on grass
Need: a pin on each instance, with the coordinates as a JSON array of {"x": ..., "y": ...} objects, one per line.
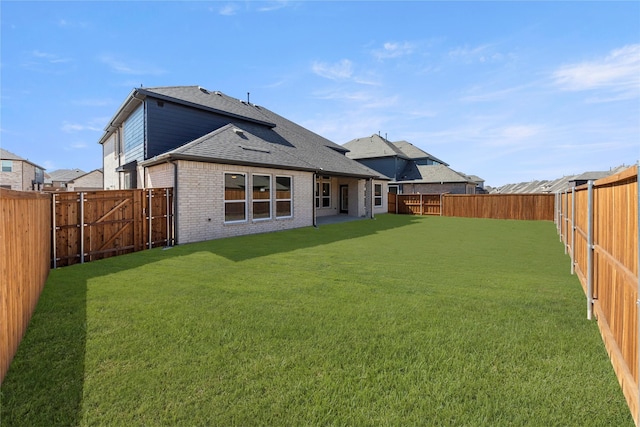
[
  {"x": 258, "y": 245},
  {"x": 44, "y": 385}
]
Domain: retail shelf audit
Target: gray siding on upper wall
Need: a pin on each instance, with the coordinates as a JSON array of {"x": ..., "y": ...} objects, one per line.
[
  {"x": 133, "y": 134},
  {"x": 388, "y": 166},
  {"x": 171, "y": 125}
]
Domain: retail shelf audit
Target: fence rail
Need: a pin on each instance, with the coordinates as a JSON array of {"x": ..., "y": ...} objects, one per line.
[
  {"x": 598, "y": 224},
  {"x": 25, "y": 257},
  {"x": 497, "y": 206}
]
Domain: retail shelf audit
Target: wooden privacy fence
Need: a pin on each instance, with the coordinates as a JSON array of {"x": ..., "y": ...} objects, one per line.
[
  {"x": 25, "y": 257},
  {"x": 99, "y": 224},
  {"x": 598, "y": 224},
  {"x": 497, "y": 206}
]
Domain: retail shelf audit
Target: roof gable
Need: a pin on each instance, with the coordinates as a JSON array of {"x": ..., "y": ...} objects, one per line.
[
  {"x": 414, "y": 153},
  {"x": 8, "y": 155},
  {"x": 372, "y": 147}
]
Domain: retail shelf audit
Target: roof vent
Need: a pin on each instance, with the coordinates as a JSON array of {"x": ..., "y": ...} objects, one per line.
[
  {"x": 238, "y": 131},
  {"x": 203, "y": 90},
  {"x": 218, "y": 93}
]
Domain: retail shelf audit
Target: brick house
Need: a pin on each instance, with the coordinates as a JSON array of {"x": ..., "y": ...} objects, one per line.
[
  {"x": 20, "y": 174},
  {"x": 90, "y": 181},
  {"x": 236, "y": 168},
  {"x": 411, "y": 169}
]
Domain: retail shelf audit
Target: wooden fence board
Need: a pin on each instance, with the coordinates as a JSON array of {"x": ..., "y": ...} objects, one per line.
[
  {"x": 25, "y": 234},
  {"x": 497, "y": 206},
  {"x": 614, "y": 255},
  {"x": 100, "y": 224}
]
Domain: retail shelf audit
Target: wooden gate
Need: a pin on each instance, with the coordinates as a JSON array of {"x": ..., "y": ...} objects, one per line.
[{"x": 88, "y": 226}]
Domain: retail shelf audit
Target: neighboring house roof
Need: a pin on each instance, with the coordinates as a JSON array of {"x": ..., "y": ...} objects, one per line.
[
  {"x": 261, "y": 137},
  {"x": 375, "y": 146},
  {"x": 593, "y": 175},
  {"x": 428, "y": 174},
  {"x": 86, "y": 174},
  {"x": 414, "y": 153},
  {"x": 64, "y": 175},
  {"x": 8, "y": 155},
  {"x": 372, "y": 147}
]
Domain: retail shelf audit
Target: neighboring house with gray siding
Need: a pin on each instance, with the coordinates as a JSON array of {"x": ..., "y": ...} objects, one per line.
[
  {"x": 411, "y": 169},
  {"x": 236, "y": 167},
  {"x": 20, "y": 174}
]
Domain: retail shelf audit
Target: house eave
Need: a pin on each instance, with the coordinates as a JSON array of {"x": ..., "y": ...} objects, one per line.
[{"x": 128, "y": 106}]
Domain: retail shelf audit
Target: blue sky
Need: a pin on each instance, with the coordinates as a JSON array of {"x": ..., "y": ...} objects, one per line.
[{"x": 508, "y": 91}]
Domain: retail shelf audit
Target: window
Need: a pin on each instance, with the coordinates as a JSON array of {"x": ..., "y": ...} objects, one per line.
[
  {"x": 7, "y": 166},
  {"x": 235, "y": 197},
  {"x": 323, "y": 192},
  {"x": 283, "y": 196},
  {"x": 377, "y": 195},
  {"x": 261, "y": 196}
]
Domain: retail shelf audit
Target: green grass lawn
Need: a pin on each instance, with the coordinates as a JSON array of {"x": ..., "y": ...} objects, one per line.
[{"x": 395, "y": 321}]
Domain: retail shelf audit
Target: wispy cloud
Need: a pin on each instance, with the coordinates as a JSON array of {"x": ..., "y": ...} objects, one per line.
[
  {"x": 228, "y": 9},
  {"x": 485, "y": 53},
  {"x": 69, "y": 127},
  {"x": 341, "y": 70},
  {"x": 132, "y": 67},
  {"x": 394, "y": 50},
  {"x": 49, "y": 57},
  {"x": 618, "y": 72},
  {"x": 65, "y": 23},
  {"x": 477, "y": 94},
  {"x": 274, "y": 5}
]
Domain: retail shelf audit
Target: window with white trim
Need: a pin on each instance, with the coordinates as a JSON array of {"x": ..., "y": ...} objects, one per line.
[
  {"x": 377, "y": 195},
  {"x": 7, "y": 166},
  {"x": 323, "y": 192},
  {"x": 283, "y": 197},
  {"x": 261, "y": 196},
  {"x": 235, "y": 197}
]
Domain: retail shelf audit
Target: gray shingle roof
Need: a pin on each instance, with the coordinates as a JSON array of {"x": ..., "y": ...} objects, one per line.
[
  {"x": 64, "y": 175},
  {"x": 262, "y": 138},
  {"x": 414, "y": 153},
  {"x": 371, "y": 147},
  {"x": 432, "y": 174},
  {"x": 212, "y": 100},
  {"x": 8, "y": 155}
]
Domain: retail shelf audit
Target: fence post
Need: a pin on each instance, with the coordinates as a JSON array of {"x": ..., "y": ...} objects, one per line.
[
  {"x": 166, "y": 196},
  {"x": 573, "y": 228},
  {"x": 638, "y": 291},
  {"x": 82, "y": 227},
  {"x": 53, "y": 231},
  {"x": 566, "y": 221},
  {"x": 560, "y": 215},
  {"x": 590, "y": 251},
  {"x": 149, "y": 203}
]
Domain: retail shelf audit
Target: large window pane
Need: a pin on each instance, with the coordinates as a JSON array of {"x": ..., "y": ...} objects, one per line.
[
  {"x": 261, "y": 187},
  {"x": 378, "y": 194},
  {"x": 235, "y": 205},
  {"x": 234, "y": 186},
  {"x": 283, "y": 196},
  {"x": 234, "y": 211}
]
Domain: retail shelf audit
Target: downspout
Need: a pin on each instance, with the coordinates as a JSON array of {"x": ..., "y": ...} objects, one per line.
[
  {"x": 313, "y": 199},
  {"x": 175, "y": 202},
  {"x": 371, "y": 199}
]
